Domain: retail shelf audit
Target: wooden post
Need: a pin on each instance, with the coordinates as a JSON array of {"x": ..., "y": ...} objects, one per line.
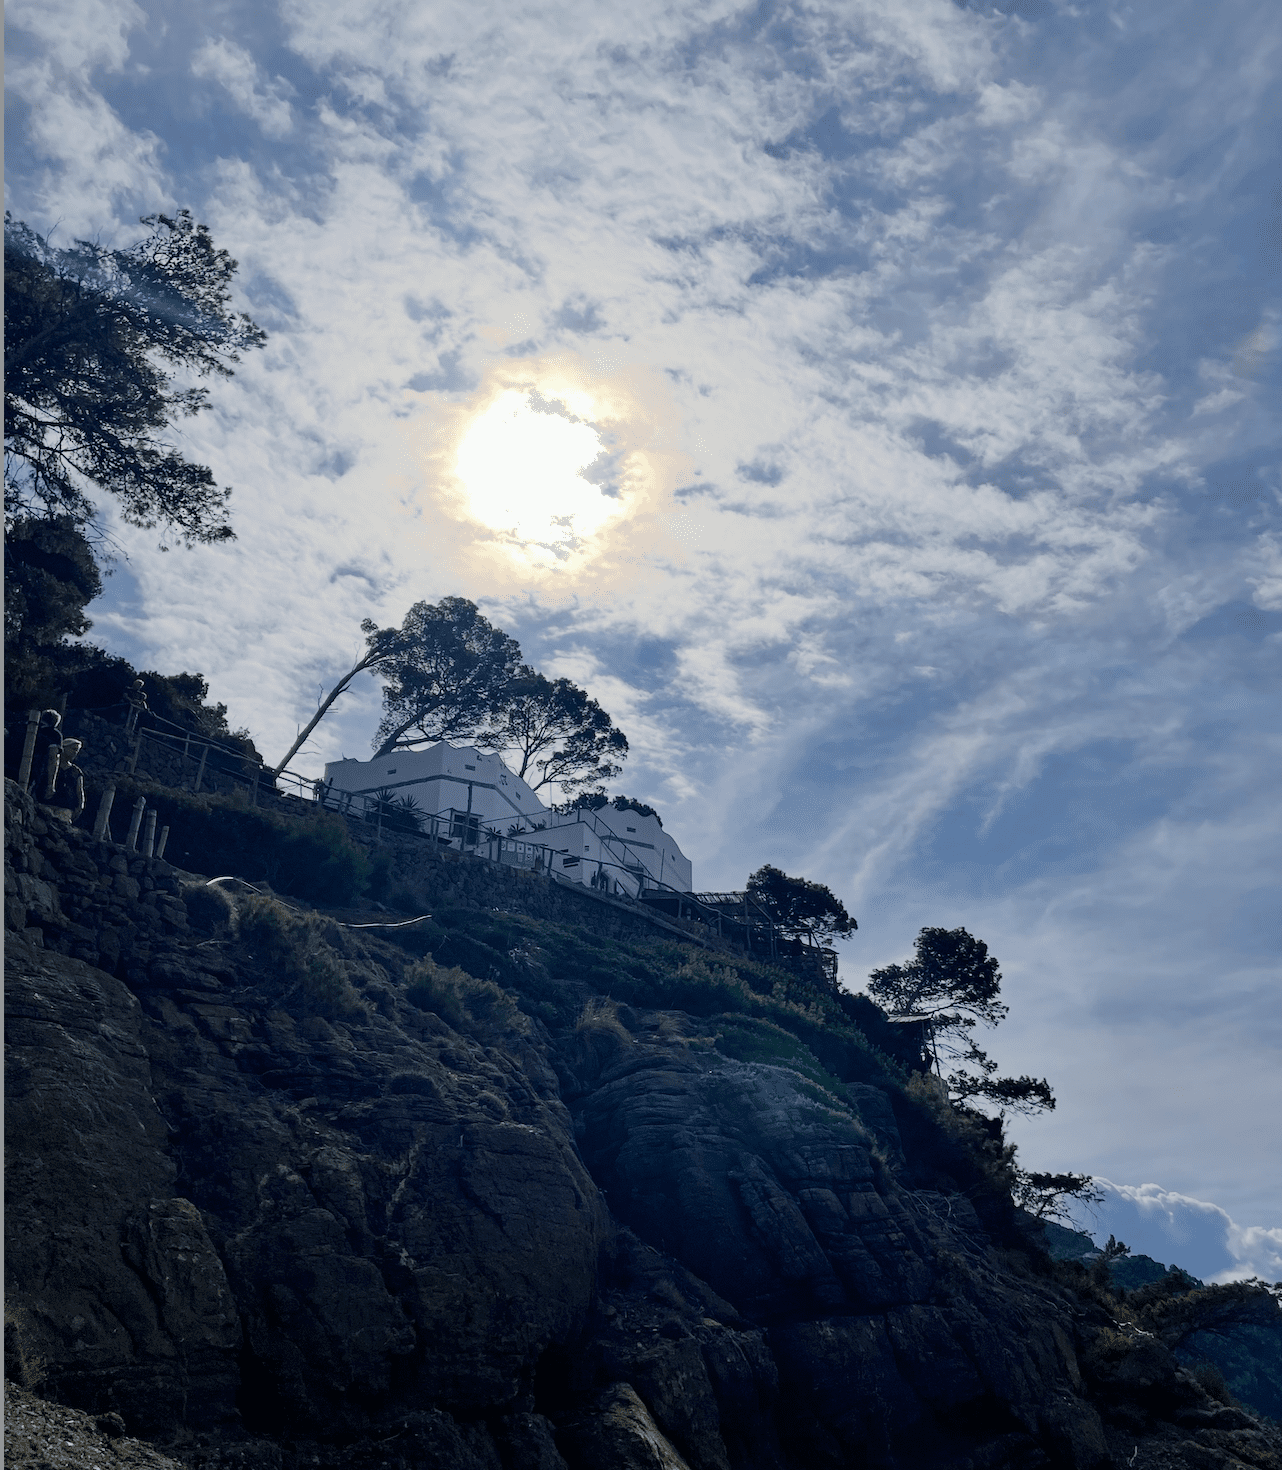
[
  {"x": 28, "y": 748},
  {"x": 135, "y": 821},
  {"x": 164, "y": 838},
  {"x": 204, "y": 756},
  {"x": 53, "y": 762},
  {"x": 101, "y": 830},
  {"x": 149, "y": 834},
  {"x": 253, "y": 797},
  {"x": 131, "y": 765}
]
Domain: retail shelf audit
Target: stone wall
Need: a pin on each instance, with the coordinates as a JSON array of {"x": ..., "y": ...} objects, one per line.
[
  {"x": 108, "y": 750},
  {"x": 91, "y": 900},
  {"x": 424, "y": 877}
]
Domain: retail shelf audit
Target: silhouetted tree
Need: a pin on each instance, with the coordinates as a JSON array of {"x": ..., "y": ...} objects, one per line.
[
  {"x": 49, "y": 577},
  {"x": 381, "y": 644},
  {"x": 1047, "y": 1196},
  {"x": 448, "y": 671},
  {"x": 595, "y": 801},
  {"x": 554, "y": 734},
  {"x": 952, "y": 982},
  {"x": 799, "y": 908},
  {"x": 90, "y": 334}
]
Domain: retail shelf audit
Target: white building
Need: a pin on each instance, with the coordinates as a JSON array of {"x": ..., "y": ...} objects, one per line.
[
  {"x": 441, "y": 779},
  {"x": 619, "y": 851},
  {"x": 471, "y": 801}
]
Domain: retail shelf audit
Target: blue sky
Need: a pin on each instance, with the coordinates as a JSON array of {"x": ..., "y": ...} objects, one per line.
[{"x": 933, "y": 353}]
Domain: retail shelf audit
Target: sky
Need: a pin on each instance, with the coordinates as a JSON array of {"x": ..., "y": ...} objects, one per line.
[{"x": 874, "y": 406}]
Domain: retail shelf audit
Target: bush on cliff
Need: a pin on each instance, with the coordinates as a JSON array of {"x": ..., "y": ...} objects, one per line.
[
  {"x": 310, "y": 857},
  {"x": 475, "y": 1007},
  {"x": 302, "y": 951}
]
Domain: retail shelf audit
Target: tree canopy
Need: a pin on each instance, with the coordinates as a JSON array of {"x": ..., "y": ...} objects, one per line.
[
  {"x": 49, "y": 577},
  {"x": 800, "y": 908},
  {"x": 554, "y": 734},
  {"x": 450, "y": 674},
  {"x": 90, "y": 337},
  {"x": 953, "y": 983},
  {"x": 595, "y": 801},
  {"x": 448, "y": 671}
]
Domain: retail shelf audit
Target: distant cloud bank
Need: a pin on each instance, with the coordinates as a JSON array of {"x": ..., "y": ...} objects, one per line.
[{"x": 1181, "y": 1231}]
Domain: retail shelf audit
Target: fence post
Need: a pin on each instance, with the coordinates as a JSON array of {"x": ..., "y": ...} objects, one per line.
[
  {"x": 131, "y": 765},
  {"x": 204, "y": 756},
  {"x": 253, "y": 797},
  {"x": 149, "y": 834},
  {"x": 101, "y": 831},
  {"x": 135, "y": 821},
  {"x": 28, "y": 747},
  {"x": 164, "y": 838}
]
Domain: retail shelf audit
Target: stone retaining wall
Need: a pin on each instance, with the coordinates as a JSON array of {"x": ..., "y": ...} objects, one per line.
[
  {"x": 91, "y": 900},
  {"x": 107, "y": 750}
]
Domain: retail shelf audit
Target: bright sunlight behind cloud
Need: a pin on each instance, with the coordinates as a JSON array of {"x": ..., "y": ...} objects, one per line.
[{"x": 520, "y": 464}]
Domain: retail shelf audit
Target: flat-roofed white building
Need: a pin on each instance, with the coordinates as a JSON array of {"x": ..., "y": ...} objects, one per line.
[
  {"x": 472, "y": 802},
  {"x": 617, "y": 849},
  {"x": 441, "y": 778}
]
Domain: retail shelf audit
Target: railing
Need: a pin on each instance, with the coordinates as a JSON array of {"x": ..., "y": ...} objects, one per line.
[
  {"x": 227, "y": 761},
  {"x": 522, "y": 846},
  {"x": 735, "y": 916},
  {"x": 740, "y": 918}
]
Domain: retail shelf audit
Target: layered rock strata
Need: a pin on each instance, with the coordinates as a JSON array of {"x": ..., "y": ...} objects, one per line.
[{"x": 273, "y": 1219}]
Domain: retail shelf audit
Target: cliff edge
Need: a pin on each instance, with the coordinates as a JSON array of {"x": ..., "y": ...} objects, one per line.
[{"x": 287, "y": 1192}]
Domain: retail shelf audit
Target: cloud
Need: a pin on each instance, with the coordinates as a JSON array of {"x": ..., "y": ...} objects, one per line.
[
  {"x": 953, "y": 301},
  {"x": 1191, "y": 1233},
  {"x": 234, "y": 68}
]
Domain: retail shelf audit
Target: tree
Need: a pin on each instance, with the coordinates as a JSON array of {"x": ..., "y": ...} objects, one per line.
[
  {"x": 595, "y": 801},
  {"x": 49, "y": 577},
  {"x": 448, "y": 674},
  {"x": 380, "y": 646},
  {"x": 953, "y": 983},
  {"x": 1047, "y": 1196},
  {"x": 539, "y": 715},
  {"x": 90, "y": 334},
  {"x": 799, "y": 908}
]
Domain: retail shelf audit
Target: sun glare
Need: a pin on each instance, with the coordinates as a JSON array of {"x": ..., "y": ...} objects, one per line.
[{"x": 520, "y": 465}]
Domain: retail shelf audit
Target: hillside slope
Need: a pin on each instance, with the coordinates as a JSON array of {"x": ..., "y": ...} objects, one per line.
[{"x": 283, "y": 1192}]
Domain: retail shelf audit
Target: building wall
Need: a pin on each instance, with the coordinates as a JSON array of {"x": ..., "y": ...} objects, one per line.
[
  {"x": 616, "y": 851},
  {"x": 619, "y": 850},
  {"x": 440, "y": 779}
]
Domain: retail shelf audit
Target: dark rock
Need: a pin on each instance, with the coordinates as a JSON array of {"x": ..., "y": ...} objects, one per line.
[{"x": 267, "y": 1211}]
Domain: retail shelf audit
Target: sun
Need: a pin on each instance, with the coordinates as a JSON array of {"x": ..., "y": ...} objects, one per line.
[{"x": 536, "y": 471}]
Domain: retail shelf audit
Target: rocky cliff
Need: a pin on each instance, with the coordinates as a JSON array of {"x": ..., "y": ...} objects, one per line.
[{"x": 285, "y": 1192}]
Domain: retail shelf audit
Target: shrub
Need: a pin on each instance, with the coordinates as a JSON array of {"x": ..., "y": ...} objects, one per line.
[
  {"x": 602, "y": 1016},
  {"x": 301, "y": 952},
  {"x": 311, "y": 857},
  {"x": 1213, "y": 1382},
  {"x": 750, "y": 1040},
  {"x": 477, "y": 1007},
  {"x": 209, "y": 908}
]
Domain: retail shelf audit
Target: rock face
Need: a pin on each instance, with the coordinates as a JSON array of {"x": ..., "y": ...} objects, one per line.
[
  {"x": 892, "y": 1324},
  {"x": 274, "y": 1201}
]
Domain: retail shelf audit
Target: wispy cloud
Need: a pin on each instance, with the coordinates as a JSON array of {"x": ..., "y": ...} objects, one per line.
[
  {"x": 946, "y": 348},
  {"x": 267, "y": 102}
]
